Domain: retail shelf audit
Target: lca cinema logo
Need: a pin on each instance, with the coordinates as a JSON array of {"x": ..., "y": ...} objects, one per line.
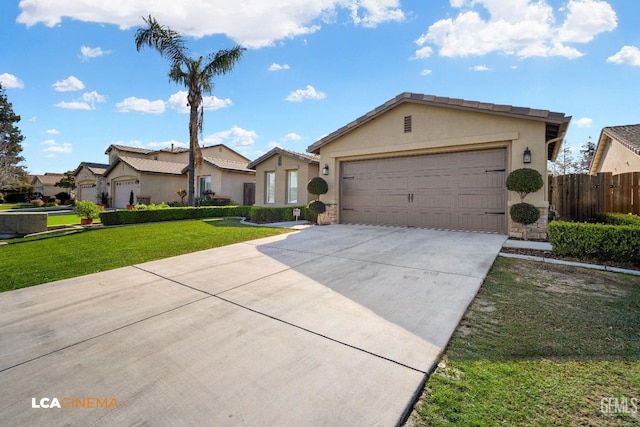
[{"x": 73, "y": 402}]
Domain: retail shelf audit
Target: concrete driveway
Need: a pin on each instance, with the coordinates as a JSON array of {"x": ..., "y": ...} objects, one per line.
[{"x": 334, "y": 325}]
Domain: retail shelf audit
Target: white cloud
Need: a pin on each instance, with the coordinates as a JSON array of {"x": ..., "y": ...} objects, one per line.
[
  {"x": 278, "y": 67},
  {"x": 93, "y": 97},
  {"x": 167, "y": 144},
  {"x": 307, "y": 93},
  {"x": 584, "y": 122},
  {"x": 236, "y": 137},
  {"x": 425, "y": 72},
  {"x": 70, "y": 84},
  {"x": 54, "y": 147},
  {"x": 479, "y": 68},
  {"x": 257, "y": 23},
  {"x": 9, "y": 81},
  {"x": 73, "y": 105},
  {"x": 178, "y": 101},
  {"x": 86, "y": 52},
  {"x": 140, "y": 105},
  {"x": 629, "y": 55},
  {"x": 423, "y": 53},
  {"x": 52, "y": 131},
  {"x": 274, "y": 144},
  {"x": 524, "y": 28},
  {"x": 292, "y": 136}
]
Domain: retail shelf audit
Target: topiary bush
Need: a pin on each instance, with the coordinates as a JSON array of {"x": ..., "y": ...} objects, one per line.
[
  {"x": 317, "y": 186},
  {"x": 317, "y": 207},
  {"x": 524, "y": 181},
  {"x": 524, "y": 213}
]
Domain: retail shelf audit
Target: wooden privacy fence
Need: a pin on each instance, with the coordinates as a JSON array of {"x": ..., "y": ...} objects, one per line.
[{"x": 579, "y": 197}]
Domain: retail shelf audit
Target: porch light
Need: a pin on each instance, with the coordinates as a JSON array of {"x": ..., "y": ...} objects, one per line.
[
  {"x": 325, "y": 170},
  {"x": 526, "y": 157}
]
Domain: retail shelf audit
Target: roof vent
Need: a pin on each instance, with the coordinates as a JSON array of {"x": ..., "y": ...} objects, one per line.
[{"x": 407, "y": 124}]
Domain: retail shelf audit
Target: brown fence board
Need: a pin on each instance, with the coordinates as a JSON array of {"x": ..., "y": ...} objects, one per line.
[{"x": 579, "y": 197}]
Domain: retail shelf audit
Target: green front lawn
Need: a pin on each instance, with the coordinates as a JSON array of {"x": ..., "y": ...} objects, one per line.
[
  {"x": 541, "y": 345},
  {"x": 31, "y": 261},
  {"x": 67, "y": 219}
]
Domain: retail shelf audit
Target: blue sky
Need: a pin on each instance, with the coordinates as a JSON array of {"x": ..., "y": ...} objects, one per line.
[{"x": 73, "y": 74}]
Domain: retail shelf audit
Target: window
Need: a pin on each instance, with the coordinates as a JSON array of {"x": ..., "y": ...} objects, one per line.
[
  {"x": 271, "y": 187},
  {"x": 292, "y": 186},
  {"x": 205, "y": 186},
  {"x": 407, "y": 124}
]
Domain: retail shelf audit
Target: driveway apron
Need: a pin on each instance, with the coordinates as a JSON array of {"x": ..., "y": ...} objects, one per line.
[{"x": 330, "y": 325}]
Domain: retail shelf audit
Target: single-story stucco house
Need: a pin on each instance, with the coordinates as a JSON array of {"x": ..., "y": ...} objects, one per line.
[
  {"x": 618, "y": 150},
  {"x": 46, "y": 184},
  {"x": 154, "y": 176},
  {"x": 90, "y": 181},
  {"x": 284, "y": 175},
  {"x": 426, "y": 161}
]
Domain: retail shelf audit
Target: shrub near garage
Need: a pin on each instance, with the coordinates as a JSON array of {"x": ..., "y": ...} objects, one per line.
[
  {"x": 601, "y": 241},
  {"x": 138, "y": 216}
]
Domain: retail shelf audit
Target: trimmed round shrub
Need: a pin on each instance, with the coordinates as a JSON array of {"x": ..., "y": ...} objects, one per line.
[
  {"x": 524, "y": 181},
  {"x": 317, "y": 186},
  {"x": 317, "y": 207},
  {"x": 524, "y": 213}
]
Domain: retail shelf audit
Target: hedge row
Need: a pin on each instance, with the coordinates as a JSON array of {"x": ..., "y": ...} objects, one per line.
[
  {"x": 261, "y": 214},
  {"x": 619, "y": 219},
  {"x": 171, "y": 214},
  {"x": 257, "y": 214},
  {"x": 601, "y": 241}
]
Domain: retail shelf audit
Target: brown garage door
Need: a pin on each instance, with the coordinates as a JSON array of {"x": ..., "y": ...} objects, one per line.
[{"x": 457, "y": 191}]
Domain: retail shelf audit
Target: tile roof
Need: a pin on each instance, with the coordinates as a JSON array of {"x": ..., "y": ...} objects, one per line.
[
  {"x": 557, "y": 123},
  {"x": 305, "y": 157},
  {"x": 129, "y": 149},
  {"x": 228, "y": 164},
  {"x": 49, "y": 178},
  {"x": 149, "y": 166},
  {"x": 95, "y": 168},
  {"x": 628, "y": 135}
]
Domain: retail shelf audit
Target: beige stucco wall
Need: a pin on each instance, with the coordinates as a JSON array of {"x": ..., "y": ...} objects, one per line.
[
  {"x": 436, "y": 130},
  {"x": 233, "y": 185},
  {"x": 618, "y": 159},
  {"x": 86, "y": 177},
  {"x": 161, "y": 187},
  {"x": 306, "y": 171}
]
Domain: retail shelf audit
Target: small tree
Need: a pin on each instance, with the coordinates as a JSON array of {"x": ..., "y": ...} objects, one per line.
[
  {"x": 524, "y": 181},
  {"x": 68, "y": 182},
  {"x": 317, "y": 186}
]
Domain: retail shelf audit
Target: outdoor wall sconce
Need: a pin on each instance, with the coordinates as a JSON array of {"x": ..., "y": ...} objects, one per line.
[
  {"x": 137, "y": 181},
  {"x": 325, "y": 170},
  {"x": 526, "y": 157}
]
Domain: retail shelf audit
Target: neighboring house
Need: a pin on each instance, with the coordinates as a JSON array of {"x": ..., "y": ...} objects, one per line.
[
  {"x": 435, "y": 162},
  {"x": 45, "y": 184},
  {"x": 618, "y": 150},
  {"x": 282, "y": 177},
  {"x": 90, "y": 181},
  {"x": 154, "y": 176}
]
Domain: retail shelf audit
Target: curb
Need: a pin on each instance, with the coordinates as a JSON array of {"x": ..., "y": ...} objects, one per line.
[{"x": 572, "y": 263}]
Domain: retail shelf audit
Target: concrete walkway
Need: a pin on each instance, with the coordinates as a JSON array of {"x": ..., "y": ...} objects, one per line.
[{"x": 334, "y": 325}]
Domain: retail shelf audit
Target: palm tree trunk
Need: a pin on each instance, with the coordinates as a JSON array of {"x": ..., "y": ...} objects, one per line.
[{"x": 193, "y": 146}]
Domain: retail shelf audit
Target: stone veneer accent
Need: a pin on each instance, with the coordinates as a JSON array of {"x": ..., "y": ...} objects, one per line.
[
  {"x": 535, "y": 231},
  {"x": 330, "y": 216}
]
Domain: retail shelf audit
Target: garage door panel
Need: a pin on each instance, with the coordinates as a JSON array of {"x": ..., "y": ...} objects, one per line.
[{"x": 451, "y": 190}]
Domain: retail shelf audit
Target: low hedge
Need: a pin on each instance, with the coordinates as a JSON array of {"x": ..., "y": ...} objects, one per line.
[
  {"x": 263, "y": 214},
  {"x": 135, "y": 216},
  {"x": 618, "y": 219},
  {"x": 600, "y": 241}
]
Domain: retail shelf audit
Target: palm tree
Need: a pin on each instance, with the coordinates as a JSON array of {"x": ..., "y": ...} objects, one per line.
[{"x": 195, "y": 74}]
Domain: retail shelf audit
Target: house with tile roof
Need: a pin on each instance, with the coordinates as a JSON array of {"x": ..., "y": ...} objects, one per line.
[
  {"x": 45, "y": 184},
  {"x": 90, "y": 181},
  {"x": 282, "y": 176},
  {"x": 618, "y": 150},
  {"x": 436, "y": 162},
  {"x": 154, "y": 176}
]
